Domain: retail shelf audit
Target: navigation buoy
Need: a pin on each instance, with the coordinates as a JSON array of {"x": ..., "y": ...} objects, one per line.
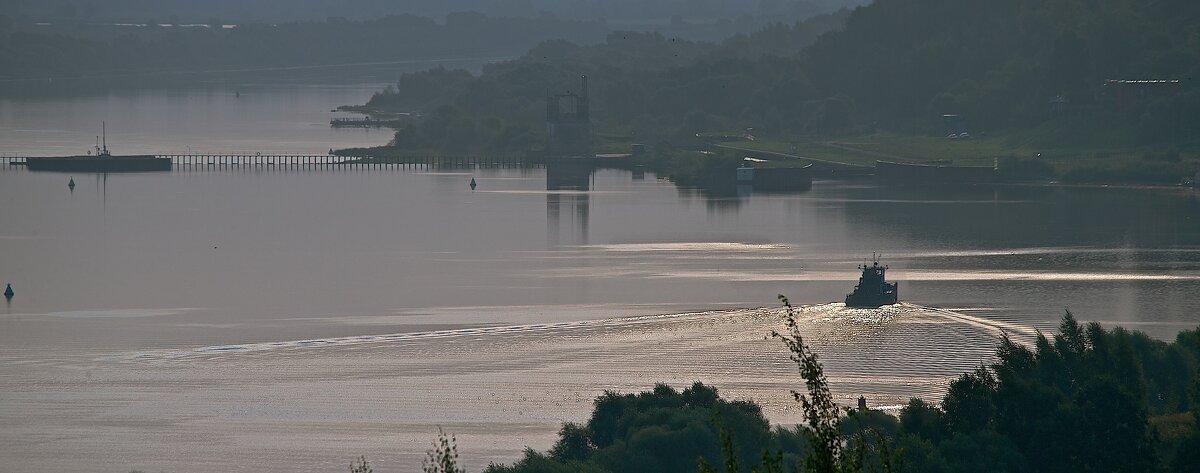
[
  {"x": 8, "y": 292},
  {"x": 473, "y": 183},
  {"x": 71, "y": 184}
]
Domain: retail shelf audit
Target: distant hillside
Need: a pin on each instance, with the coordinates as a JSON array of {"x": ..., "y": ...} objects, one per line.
[
  {"x": 42, "y": 40},
  {"x": 1041, "y": 68},
  {"x": 1016, "y": 63},
  {"x": 645, "y": 85},
  {"x": 71, "y": 51}
]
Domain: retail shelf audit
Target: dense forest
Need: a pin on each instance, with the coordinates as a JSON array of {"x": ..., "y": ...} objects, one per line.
[
  {"x": 1084, "y": 400},
  {"x": 1013, "y": 63},
  {"x": 1111, "y": 74},
  {"x": 645, "y": 85}
]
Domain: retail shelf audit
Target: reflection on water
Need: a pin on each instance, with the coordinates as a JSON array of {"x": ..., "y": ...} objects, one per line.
[
  {"x": 224, "y": 112},
  {"x": 313, "y": 309},
  {"x": 264, "y": 254},
  {"x": 574, "y": 177},
  {"x": 236, "y": 79},
  {"x": 300, "y": 404}
]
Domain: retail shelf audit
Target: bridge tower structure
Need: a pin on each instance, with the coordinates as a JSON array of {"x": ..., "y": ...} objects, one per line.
[{"x": 569, "y": 123}]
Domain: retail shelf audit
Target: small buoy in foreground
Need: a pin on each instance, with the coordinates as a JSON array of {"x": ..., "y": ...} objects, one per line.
[
  {"x": 71, "y": 184},
  {"x": 473, "y": 183},
  {"x": 8, "y": 292}
]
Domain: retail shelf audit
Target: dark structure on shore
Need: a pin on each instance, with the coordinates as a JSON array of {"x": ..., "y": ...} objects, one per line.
[
  {"x": 892, "y": 173},
  {"x": 776, "y": 179},
  {"x": 569, "y": 124}
]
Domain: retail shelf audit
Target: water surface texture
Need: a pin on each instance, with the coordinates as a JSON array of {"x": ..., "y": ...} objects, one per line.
[
  {"x": 213, "y": 320},
  {"x": 268, "y": 111},
  {"x": 181, "y": 258}
]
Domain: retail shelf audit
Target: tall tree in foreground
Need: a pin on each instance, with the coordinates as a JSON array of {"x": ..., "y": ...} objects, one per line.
[
  {"x": 842, "y": 439},
  {"x": 821, "y": 414}
]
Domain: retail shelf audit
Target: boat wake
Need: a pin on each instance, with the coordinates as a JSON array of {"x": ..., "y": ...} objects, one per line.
[{"x": 823, "y": 321}]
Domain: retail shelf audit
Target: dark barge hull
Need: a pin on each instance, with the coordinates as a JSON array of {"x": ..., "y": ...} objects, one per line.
[
  {"x": 133, "y": 163},
  {"x": 890, "y": 173},
  {"x": 782, "y": 179}
]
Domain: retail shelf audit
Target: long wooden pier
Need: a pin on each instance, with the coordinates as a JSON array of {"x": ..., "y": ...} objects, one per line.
[{"x": 303, "y": 161}]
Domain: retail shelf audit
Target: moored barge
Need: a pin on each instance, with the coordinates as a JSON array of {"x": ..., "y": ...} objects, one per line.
[{"x": 101, "y": 161}]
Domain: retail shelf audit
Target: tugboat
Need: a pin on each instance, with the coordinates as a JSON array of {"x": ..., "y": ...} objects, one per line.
[
  {"x": 872, "y": 290},
  {"x": 101, "y": 161}
]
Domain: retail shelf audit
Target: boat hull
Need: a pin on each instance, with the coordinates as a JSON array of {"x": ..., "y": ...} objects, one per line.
[
  {"x": 887, "y": 296},
  {"x": 132, "y": 163}
]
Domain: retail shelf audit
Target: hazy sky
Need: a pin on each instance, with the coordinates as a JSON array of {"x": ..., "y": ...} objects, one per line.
[{"x": 284, "y": 10}]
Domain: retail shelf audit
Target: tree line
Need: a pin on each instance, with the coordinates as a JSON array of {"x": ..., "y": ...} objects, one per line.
[
  {"x": 643, "y": 85},
  {"x": 1036, "y": 69}
]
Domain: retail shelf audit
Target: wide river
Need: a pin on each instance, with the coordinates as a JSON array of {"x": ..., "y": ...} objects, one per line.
[{"x": 220, "y": 320}]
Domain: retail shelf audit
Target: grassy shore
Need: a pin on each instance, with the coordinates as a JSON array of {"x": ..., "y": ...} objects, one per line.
[
  {"x": 1018, "y": 156},
  {"x": 1157, "y": 165}
]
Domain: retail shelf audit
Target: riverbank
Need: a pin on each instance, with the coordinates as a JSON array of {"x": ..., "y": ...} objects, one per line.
[{"x": 1016, "y": 158}]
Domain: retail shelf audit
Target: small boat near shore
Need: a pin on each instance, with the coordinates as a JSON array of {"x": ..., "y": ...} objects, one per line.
[
  {"x": 100, "y": 161},
  {"x": 873, "y": 290}
]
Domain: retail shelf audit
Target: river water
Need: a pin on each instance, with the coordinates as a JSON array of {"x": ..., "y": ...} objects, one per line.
[
  {"x": 219, "y": 320},
  {"x": 269, "y": 111}
]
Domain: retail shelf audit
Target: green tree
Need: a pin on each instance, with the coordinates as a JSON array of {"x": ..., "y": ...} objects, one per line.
[
  {"x": 573, "y": 443},
  {"x": 360, "y": 466},
  {"x": 1187, "y": 456},
  {"x": 821, "y": 414},
  {"x": 443, "y": 457}
]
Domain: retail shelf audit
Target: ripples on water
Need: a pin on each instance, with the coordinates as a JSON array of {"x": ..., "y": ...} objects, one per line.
[
  {"x": 498, "y": 388},
  {"x": 500, "y": 323}
]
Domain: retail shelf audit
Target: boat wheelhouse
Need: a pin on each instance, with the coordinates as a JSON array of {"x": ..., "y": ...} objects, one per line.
[{"x": 873, "y": 290}]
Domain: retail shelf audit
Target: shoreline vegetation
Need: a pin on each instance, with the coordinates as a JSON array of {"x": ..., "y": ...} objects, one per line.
[
  {"x": 1052, "y": 91},
  {"x": 1084, "y": 399}
]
